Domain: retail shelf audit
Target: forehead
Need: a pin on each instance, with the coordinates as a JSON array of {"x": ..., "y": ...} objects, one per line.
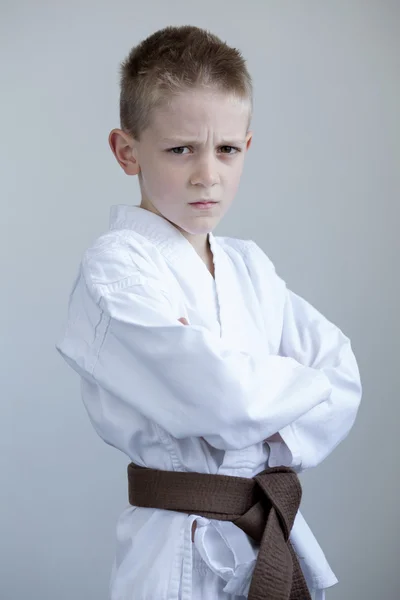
[{"x": 200, "y": 112}]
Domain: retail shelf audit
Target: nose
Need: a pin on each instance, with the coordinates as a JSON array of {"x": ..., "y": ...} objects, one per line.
[{"x": 206, "y": 173}]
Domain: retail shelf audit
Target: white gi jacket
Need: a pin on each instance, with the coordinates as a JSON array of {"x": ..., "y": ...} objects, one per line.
[{"x": 255, "y": 359}]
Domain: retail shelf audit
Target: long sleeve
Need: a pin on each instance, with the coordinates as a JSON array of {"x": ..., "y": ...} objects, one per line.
[
  {"x": 123, "y": 334},
  {"x": 312, "y": 340}
]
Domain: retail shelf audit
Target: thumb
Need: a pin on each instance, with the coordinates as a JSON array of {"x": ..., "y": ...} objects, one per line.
[{"x": 183, "y": 321}]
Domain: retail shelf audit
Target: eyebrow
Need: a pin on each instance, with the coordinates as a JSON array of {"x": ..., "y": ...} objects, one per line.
[{"x": 187, "y": 142}]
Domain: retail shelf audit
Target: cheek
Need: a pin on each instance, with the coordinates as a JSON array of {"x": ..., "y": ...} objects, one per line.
[
  {"x": 234, "y": 177},
  {"x": 165, "y": 179}
]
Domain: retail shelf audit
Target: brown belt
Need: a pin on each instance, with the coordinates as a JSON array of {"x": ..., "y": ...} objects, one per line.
[{"x": 264, "y": 507}]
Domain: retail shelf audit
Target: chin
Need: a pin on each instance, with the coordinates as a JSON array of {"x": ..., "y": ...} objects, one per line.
[{"x": 201, "y": 225}]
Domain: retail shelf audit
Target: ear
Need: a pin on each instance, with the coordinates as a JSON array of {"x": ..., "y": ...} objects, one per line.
[
  {"x": 123, "y": 147},
  {"x": 249, "y": 138}
]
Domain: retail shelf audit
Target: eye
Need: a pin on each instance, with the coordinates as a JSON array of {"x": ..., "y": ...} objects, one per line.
[
  {"x": 178, "y": 150},
  {"x": 229, "y": 149}
]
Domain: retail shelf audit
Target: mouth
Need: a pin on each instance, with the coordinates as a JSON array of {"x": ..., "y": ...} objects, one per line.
[{"x": 203, "y": 204}]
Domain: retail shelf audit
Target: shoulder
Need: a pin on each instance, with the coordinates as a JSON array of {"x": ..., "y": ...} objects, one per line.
[
  {"x": 121, "y": 257},
  {"x": 266, "y": 282}
]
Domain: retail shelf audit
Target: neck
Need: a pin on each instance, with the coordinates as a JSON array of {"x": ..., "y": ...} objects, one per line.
[{"x": 200, "y": 242}]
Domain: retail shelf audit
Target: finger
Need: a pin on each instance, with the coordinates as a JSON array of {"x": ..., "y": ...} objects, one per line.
[{"x": 183, "y": 321}]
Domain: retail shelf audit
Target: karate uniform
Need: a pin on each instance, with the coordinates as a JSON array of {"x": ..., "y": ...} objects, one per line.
[{"x": 255, "y": 359}]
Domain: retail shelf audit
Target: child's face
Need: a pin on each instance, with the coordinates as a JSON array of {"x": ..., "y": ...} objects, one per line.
[{"x": 193, "y": 151}]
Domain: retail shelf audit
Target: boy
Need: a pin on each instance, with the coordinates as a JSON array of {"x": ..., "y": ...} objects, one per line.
[{"x": 194, "y": 356}]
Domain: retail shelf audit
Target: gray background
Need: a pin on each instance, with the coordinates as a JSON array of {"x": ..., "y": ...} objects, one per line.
[{"x": 319, "y": 194}]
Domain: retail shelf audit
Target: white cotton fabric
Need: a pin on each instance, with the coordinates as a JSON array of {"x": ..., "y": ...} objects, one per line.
[{"x": 255, "y": 359}]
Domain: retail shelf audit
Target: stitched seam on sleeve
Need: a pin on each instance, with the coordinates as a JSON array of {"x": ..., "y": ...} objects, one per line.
[{"x": 102, "y": 327}]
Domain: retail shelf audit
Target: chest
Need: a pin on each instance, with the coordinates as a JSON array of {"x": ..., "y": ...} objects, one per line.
[{"x": 226, "y": 304}]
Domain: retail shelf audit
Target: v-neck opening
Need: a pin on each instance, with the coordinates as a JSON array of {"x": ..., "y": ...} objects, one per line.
[{"x": 213, "y": 247}]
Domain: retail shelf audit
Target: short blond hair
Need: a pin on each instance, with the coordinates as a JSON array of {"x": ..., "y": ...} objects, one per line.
[{"x": 173, "y": 60}]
